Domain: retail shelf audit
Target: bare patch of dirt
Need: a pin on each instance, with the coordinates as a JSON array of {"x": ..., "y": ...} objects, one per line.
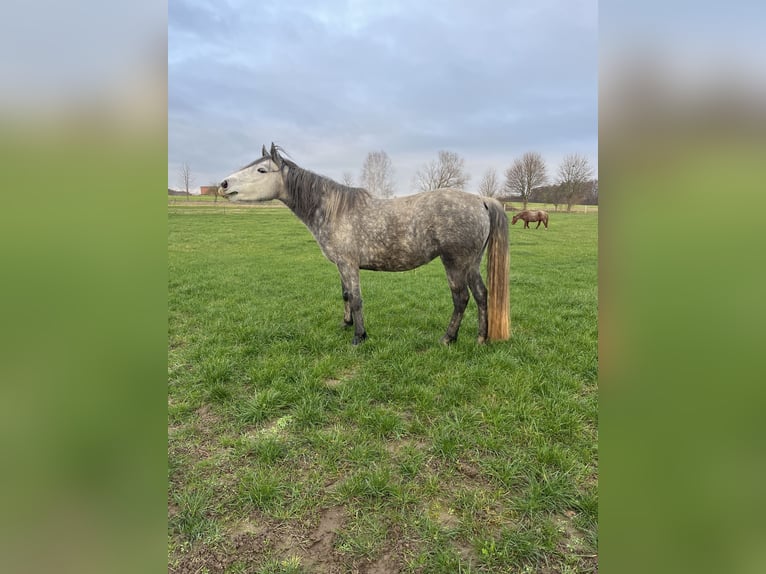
[
  {"x": 206, "y": 418},
  {"x": 388, "y": 563},
  {"x": 447, "y": 519},
  {"x": 318, "y": 553},
  {"x": 246, "y": 527},
  {"x": 466, "y": 552},
  {"x": 468, "y": 469},
  {"x": 199, "y": 558},
  {"x": 395, "y": 446},
  {"x": 251, "y": 542}
]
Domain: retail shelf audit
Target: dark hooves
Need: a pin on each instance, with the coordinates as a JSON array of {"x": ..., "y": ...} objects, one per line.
[{"x": 359, "y": 339}]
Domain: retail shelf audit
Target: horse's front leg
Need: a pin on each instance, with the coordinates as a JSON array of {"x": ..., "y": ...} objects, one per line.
[
  {"x": 538, "y": 225},
  {"x": 352, "y": 296}
]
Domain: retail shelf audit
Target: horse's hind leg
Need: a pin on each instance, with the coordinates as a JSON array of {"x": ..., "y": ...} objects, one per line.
[
  {"x": 348, "y": 320},
  {"x": 456, "y": 278},
  {"x": 349, "y": 277},
  {"x": 539, "y": 221},
  {"x": 479, "y": 291}
]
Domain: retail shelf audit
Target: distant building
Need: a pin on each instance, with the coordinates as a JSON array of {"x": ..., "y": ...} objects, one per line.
[
  {"x": 177, "y": 192},
  {"x": 208, "y": 190}
]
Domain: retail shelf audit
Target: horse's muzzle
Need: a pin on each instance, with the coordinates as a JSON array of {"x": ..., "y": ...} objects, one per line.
[{"x": 223, "y": 187}]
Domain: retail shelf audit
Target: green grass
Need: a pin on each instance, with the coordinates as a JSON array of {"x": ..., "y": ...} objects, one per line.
[{"x": 428, "y": 458}]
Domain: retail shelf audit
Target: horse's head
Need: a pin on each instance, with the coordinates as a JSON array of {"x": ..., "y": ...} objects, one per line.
[
  {"x": 515, "y": 218},
  {"x": 260, "y": 180}
]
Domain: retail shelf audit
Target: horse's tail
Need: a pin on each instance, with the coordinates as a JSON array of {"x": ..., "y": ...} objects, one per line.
[{"x": 498, "y": 265}]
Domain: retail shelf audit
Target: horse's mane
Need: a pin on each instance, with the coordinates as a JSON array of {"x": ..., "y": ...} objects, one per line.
[{"x": 311, "y": 192}]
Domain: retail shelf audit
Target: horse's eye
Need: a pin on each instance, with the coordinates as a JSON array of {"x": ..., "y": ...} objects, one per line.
[{"x": 261, "y": 170}]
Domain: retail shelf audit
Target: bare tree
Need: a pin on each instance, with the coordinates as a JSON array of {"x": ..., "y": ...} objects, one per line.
[
  {"x": 574, "y": 175},
  {"x": 378, "y": 174},
  {"x": 591, "y": 192},
  {"x": 446, "y": 171},
  {"x": 348, "y": 178},
  {"x": 187, "y": 179},
  {"x": 555, "y": 195},
  {"x": 489, "y": 186},
  {"x": 526, "y": 173}
]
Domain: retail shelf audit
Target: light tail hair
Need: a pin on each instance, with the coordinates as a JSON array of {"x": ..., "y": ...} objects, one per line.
[{"x": 498, "y": 268}]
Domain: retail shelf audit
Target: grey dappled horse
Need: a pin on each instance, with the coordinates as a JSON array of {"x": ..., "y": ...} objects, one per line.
[{"x": 358, "y": 231}]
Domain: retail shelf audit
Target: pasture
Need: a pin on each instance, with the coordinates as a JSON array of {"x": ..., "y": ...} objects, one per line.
[
  {"x": 291, "y": 451},
  {"x": 210, "y": 201}
]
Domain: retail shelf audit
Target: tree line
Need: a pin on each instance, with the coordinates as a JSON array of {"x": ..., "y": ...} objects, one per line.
[{"x": 526, "y": 179}]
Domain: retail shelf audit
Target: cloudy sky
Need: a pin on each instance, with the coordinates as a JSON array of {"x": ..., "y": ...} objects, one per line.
[{"x": 331, "y": 81}]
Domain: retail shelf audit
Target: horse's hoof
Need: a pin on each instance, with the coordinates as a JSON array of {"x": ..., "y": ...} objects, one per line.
[
  {"x": 346, "y": 324},
  {"x": 481, "y": 340},
  {"x": 359, "y": 339},
  {"x": 447, "y": 340}
]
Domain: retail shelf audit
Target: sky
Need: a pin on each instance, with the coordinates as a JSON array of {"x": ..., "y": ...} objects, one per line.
[{"x": 332, "y": 81}]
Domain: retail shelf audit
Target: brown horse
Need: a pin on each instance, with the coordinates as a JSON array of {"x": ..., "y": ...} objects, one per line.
[{"x": 526, "y": 216}]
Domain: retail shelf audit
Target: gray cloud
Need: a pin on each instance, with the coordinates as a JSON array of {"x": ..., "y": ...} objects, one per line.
[{"x": 332, "y": 82}]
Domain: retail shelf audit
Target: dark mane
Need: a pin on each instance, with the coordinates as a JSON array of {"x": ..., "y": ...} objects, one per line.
[{"x": 311, "y": 193}]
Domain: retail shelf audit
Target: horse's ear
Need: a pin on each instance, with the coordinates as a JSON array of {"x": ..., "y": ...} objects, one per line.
[
  {"x": 264, "y": 152},
  {"x": 275, "y": 157}
]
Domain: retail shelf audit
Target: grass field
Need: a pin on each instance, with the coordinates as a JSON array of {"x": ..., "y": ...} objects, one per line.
[{"x": 291, "y": 451}]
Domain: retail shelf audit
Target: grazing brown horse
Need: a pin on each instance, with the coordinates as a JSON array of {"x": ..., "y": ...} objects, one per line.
[
  {"x": 358, "y": 231},
  {"x": 526, "y": 216}
]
